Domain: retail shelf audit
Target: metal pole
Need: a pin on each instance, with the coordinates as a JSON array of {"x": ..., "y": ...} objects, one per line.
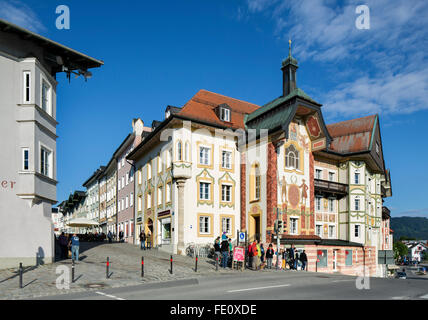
[
  {"x": 20, "y": 275},
  {"x": 107, "y": 267},
  {"x": 142, "y": 267},
  {"x": 245, "y": 251},
  {"x": 196, "y": 264},
  {"x": 216, "y": 262},
  {"x": 72, "y": 271},
  {"x": 171, "y": 264}
]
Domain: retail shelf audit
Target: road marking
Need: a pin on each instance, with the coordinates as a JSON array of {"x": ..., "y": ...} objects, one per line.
[
  {"x": 342, "y": 280},
  {"x": 259, "y": 288},
  {"x": 109, "y": 295},
  {"x": 424, "y": 296},
  {"x": 400, "y": 298}
]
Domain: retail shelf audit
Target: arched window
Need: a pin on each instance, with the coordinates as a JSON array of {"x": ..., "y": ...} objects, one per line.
[{"x": 292, "y": 157}]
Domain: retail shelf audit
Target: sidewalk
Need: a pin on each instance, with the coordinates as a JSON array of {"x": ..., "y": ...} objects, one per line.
[{"x": 90, "y": 271}]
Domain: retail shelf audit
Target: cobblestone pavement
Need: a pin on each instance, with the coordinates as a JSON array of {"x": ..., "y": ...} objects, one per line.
[{"x": 90, "y": 271}]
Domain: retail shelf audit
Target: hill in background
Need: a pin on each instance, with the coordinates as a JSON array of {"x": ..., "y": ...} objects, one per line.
[{"x": 412, "y": 227}]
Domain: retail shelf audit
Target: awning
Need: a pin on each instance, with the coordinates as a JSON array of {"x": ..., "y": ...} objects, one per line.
[{"x": 82, "y": 222}]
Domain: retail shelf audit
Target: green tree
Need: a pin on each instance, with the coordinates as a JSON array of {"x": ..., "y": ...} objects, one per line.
[{"x": 400, "y": 250}]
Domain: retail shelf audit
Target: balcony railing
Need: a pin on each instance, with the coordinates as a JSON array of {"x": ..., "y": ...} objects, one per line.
[{"x": 331, "y": 187}]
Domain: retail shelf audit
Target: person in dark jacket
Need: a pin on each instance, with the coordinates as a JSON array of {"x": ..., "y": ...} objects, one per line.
[
  {"x": 142, "y": 240},
  {"x": 304, "y": 260},
  {"x": 291, "y": 254},
  {"x": 63, "y": 244},
  {"x": 217, "y": 249},
  {"x": 224, "y": 248},
  {"x": 296, "y": 260},
  {"x": 269, "y": 256}
]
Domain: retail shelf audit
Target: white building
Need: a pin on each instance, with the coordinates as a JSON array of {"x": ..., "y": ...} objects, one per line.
[{"x": 28, "y": 67}]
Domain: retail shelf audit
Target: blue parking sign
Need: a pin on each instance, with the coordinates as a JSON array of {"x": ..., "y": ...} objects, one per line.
[{"x": 242, "y": 236}]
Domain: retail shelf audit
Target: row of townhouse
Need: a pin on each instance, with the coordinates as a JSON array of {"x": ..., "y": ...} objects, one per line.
[{"x": 221, "y": 165}]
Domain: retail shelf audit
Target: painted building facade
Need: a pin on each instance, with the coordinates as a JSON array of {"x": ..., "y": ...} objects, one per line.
[{"x": 29, "y": 64}]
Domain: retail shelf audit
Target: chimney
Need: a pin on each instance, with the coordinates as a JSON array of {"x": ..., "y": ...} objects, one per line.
[
  {"x": 137, "y": 128},
  {"x": 289, "y": 68}
]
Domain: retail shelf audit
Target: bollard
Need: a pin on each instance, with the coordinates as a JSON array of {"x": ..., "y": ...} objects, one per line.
[
  {"x": 20, "y": 275},
  {"x": 171, "y": 265},
  {"x": 196, "y": 264},
  {"x": 72, "y": 271},
  {"x": 216, "y": 262},
  {"x": 142, "y": 267},
  {"x": 107, "y": 267}
]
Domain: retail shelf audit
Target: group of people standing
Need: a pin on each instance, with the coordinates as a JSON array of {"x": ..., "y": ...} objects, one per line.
[
  {"x": 224, "y": 251},
  {"x": 69, "y": 243},
  {"x": 257, "y": 256},
  {"x": 145, "y": 239}
]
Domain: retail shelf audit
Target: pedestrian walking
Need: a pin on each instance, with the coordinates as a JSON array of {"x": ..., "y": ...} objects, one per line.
[
  {"x": 224, "y": 248},
  {"x": 149, "y": 240},
  {"x": 75, "y": 247},
  {"x": 269, "y": 256},
  {"x": 304, "y": 260},
  {"x": 284, "y": 259},
  {"x": 121, "y": 236},
  {"x": 110, "y": 236},
  {"x": 63, "y": 245},
  {"x": 142, "y": 240}
]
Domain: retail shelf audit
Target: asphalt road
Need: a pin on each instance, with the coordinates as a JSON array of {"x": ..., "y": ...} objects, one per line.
[{"x": 277, "y": 285}]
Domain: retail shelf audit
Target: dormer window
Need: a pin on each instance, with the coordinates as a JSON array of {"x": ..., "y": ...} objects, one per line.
[{"x": 223, "y": 112}]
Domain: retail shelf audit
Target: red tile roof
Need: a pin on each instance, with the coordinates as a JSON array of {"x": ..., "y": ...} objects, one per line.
[
  {"x": 352, "y": 135},
  {"x": 202, "y": 107}
]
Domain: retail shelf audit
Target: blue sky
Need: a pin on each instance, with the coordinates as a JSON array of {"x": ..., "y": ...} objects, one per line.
[{"x": 162, "y": 52}]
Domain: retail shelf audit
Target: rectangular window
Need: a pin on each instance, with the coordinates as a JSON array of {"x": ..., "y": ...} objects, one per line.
[
  {"x": 27, "y": 86},
  {"x": 45, "y": 96},
  {"x": 331, "y": 232},
  {"x": 45, "y": 162},
  {"x": 140, "y": 202},
  {"x": 318, "y": 230},
  {"x": 168, "y": 192},
  {"x": 123, "y": 182},
  {"x": 225, "y": 114},
  {"x": 140, "y": 180},
  {"x": 127, "y": 178},
  {"x": 131, "y": 200},
  {"x": 118, "y": 184},
  {"x": 357, "y": 231},
  {"x": 377, "y": 148},
  {"x": 204, "y": 191},
  {"x": 293, "y": 226},
  {"x": 204, "y": 155},
  {"x": 25, "y": 159},
  {"x": 318, "y": 174},
  {"x": 357, "y": 205},
  {"x": 357, "y": 178},
  {"x": 169, "y": 154},
  {"x": 331, "y": 176},
  {"x": 226, "y": 193},
  {"x": 160, "y": 195},
  {"x": 318, "y": 203},
  {"x": 127, "y": 202},
  {"x": 226, "y": 225},
  {"x": 257, "y": 186},
  {"x": 149, "y": 170},
  {"x": 149, "y": 200},
  {"x": 226, "y": 160},
  {"x": 330, "y": 205},
  {"x": 204, "y": 225}
]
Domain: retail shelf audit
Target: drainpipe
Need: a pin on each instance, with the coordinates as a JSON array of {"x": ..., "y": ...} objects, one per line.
[{"x": 364, "y": 260}]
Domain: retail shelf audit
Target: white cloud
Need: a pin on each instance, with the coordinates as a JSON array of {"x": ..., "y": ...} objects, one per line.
[
  {"x": 21, "y": 15},
  {"x": 387, "y": 64}
]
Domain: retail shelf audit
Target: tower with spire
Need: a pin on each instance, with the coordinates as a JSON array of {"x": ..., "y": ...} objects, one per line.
[{"x": 289, "y": 68}]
